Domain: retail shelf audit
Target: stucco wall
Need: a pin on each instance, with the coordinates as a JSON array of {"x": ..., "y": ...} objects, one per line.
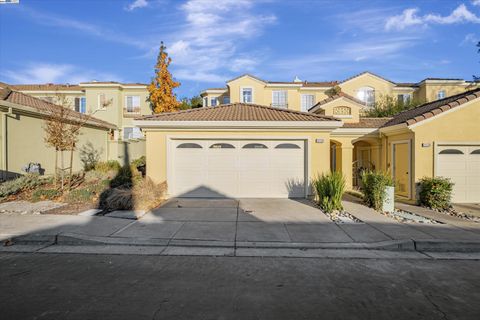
[
  {"x": 126, "y": 151},
  {"x": 156, "y": 150},
  {"x": 25, "y": 143}
]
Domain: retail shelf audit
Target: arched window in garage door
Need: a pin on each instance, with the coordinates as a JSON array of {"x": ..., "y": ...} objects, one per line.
[
  {"x": 475, "y": 152},
  {"x": 287, "y": 146},
  {"x": 451, "y": 151},
  {"x": 222, "y": 146},
  {"x": 189, "y": 146},
  {"x": 255, "y": 146}
]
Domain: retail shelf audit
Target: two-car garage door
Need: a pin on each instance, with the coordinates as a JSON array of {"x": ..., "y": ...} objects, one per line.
[
  {"x": 461, "y": 163},
  {"x": 237, "y": 168}
]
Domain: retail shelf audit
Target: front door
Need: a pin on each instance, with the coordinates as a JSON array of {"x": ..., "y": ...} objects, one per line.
[{"x": 401, "y": 168}]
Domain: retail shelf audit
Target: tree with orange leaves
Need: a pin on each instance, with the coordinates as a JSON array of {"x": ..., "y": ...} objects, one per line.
[{"x": 161, "y": 88}]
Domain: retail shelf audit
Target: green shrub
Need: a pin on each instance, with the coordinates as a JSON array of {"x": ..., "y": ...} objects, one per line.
[
  {"x": 80, "y": 195},
  {"x": 139, "y": 162},
  {"x": 99, "y": 187},
  {"x": 106, "y": 166},
  {"x": 436, "y": 193},
  {"x": 374, "y": 185},
  {"x": 329, "y": 189},
  {"x": 45, "y": 194},
  {"x": 28, "y": 181}
]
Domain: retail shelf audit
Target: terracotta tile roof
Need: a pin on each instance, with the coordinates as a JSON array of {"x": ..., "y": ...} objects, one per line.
[
  {"x": 431, "y": 109},
  {"x": 46, "y": 87},
  {"x": 367, "y": 123},
  {"x": 335, "y": 97},
  {"x": 238, "y": 112},
  {"x": 320, "y": 84},
  {"x": 215, "y": 89},
  {"x": 6, "y": 94},
  {"x": 406, "y": 84}
]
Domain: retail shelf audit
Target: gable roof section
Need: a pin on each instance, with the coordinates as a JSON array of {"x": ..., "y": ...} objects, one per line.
[
  {"x": 247, "y": 75},
  {"x": 238, "y": 112},
  {"x": 366, "y": 72},
  {"x": 432, "y": 109},
  {"x": 41, "y": 106},
  {"x": 336, "y": 97}
]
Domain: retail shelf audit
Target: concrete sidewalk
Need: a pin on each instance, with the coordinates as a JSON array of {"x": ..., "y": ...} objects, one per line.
[{"x": 231, "y": 226}]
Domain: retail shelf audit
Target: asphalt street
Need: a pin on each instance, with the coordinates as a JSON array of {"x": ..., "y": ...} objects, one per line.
[{"x": 79, "y": 286}]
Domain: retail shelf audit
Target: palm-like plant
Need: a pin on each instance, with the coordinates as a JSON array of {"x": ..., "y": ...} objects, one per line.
[{"x": 329, "y": 189}]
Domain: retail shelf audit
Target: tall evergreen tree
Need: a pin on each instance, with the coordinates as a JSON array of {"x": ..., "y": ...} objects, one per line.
[{"x": 161, "y": 88}]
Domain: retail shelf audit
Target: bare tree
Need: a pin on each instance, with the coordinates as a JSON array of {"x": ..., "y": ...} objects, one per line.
[{"x": 62, "y": 130}]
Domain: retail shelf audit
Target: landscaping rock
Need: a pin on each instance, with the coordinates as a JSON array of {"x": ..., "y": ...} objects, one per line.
[{"x": 26, "y": 207}]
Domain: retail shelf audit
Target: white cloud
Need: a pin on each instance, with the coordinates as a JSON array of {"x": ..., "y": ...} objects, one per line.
[
  {"x": 136, "y": 4},
  {"x": 209, "y": 42},
  {"x": 470, "y": 38},
  {"x": 476, "y": 2},
  {"x": 55, "y": 73},
  {"x": 409, "y": 18}
]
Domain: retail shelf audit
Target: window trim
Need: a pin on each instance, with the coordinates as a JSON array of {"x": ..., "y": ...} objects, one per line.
[
  {"x": 279, "y": 105},
  {"x": 125, "y": 108},
  {"x": 241, "y": 94},
  {"x": 365, "y": 103},
  {"x": 302, "y": 95}
]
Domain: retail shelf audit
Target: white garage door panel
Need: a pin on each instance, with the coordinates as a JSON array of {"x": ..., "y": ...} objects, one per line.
[
  {"x": 461, "y": 163},
  {"x": 253, "y": 168}
]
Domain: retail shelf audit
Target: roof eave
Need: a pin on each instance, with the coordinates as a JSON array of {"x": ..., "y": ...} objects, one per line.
[{"x": 284, "y": 125}]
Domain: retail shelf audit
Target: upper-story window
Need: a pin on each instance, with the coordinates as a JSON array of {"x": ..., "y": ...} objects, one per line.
[
  {"x": 132, "y": 104},
  {"x": 132, "y": 133},
  {"x": 213, "y": 102},
  {"x": 404, "y": 98},
  {"x": 441, "y": 94},
  {"x": 247, "y": 95},
  {"x": 101, "y": 101},
  {"x": 226, "y": 100},
  {"x": 81, "y": 105},
  {"x": 367, "y": 95},
  {"x": 279, "y": 99},
  {"x": 205, "y": 102},
  {"x": 308, "y": 100}
]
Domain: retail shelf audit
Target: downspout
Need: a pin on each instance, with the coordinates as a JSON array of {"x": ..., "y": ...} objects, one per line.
[{"x": 4, "y": 166}]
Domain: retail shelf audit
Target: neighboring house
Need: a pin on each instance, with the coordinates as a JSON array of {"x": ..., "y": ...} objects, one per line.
[
  {"x": 22, "y": 119},
  {"x": 249, "y": 150},
  {"x": 114, "y": 102},
  {"x": 302, "y": 95}
]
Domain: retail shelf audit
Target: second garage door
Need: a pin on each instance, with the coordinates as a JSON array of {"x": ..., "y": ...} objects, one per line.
[
  {"x": 237, "y": 168},
  {"x": 461, "y": 163}
]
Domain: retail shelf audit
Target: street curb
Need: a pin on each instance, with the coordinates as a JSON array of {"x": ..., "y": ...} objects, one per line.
[{"x": 72, "y": 239}]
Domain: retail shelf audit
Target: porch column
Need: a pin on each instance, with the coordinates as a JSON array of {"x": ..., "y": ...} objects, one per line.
[{"x": 347, "y": 164}]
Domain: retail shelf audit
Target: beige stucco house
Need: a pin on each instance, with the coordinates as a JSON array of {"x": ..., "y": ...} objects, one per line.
[
  {"x": 113, "y": 102},
  {"x": 22, "y": 119},
  {"x": 261, "y": 145}
]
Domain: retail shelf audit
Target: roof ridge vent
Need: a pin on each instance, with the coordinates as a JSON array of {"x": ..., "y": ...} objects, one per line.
[{"x": 297, "y": 79}]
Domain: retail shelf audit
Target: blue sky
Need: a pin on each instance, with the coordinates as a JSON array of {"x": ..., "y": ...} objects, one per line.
[{"x": 211, "y": 41}]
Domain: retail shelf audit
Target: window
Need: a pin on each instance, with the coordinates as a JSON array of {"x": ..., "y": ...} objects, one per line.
[
  {"x": 440, "y": 94},
  {"x": 222, "y": 146},
  {"x": 226, "y": 100},
  {"x": 81, "y": 105},
  {"x": 475, "y": 151},
  {"x": 213, "y": 102},
  {"x": 101, "y": 101},
  {"x": 279, "y": 99},
  {"x": 367, "y": 95},
  {"x": 132, "y": 104},
  {"x": 189, "y": 146},
  {"x": 132, "y": 133},
  {"x": 404, "y": 99},
  {"x": 287, "y": 146},
  {"x": 451, "y": 151},
  {"x": 205, "y": 102},
  {"x": 255, "y": 146},
  {"x": 247, "y": 95},
  {"x": 308, "y": 100}
]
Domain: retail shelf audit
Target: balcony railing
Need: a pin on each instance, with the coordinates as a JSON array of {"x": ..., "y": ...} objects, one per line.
[
  {"x": 279, "y": 105},
  {"x": 131, "y": 111}
]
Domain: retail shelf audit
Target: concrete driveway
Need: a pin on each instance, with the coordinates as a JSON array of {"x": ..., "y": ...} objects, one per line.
[{"x": 244, "y": 220}]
